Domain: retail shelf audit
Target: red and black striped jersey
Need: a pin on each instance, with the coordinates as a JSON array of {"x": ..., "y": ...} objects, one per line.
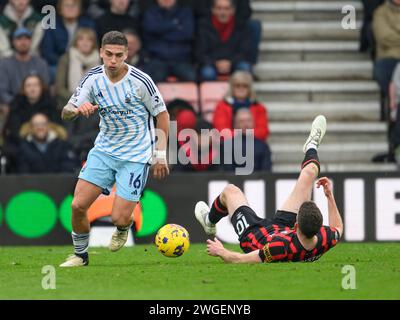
[{"x": 285, "y": 246}]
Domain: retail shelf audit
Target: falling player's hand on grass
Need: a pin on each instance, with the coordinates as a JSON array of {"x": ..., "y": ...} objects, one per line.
[
  {"x": 326, "y": 184},
  {"x": 214, "y": 247},
  {"x": 87, "y": 109}
]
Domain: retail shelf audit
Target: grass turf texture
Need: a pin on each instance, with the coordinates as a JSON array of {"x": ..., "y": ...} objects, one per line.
[{"x": 141, "y": 272}]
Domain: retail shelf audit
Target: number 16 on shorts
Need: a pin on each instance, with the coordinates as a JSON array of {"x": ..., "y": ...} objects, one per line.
[{"x": 135, "y": 183}]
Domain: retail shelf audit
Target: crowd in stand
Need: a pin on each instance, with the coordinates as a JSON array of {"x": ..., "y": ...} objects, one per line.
[
  {"x": 171, "y": 40},
  {"x": 381, "y": 37}
]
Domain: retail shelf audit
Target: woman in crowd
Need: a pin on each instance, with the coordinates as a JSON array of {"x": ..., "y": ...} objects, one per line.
[
  {"x": 32, "y": 99},
  {"x": 241, "y": 95},
  {"x": 57, "y": 41},
  {"x": 75, "y": 63},
  {"x": 80, "y": 58}
]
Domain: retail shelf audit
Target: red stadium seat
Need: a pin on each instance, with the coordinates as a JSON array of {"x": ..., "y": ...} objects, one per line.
[
  {"x": 187, "y": 91},
  {"x": 211, "y": 93}
]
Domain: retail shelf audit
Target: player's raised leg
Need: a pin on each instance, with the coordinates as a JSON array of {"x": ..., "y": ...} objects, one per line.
[
  {"x": 309, "y": 169},
  {"x": 85, "y": 194},
  {"x": 225, "y": 204},
  {"x": 122, "y": 218}
]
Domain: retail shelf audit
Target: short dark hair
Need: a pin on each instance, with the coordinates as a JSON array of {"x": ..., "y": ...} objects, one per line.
[
  {"x": 309, "y": 219},
  {"x": 114, "y": 37},
  {"x": 233, "y": 3}
]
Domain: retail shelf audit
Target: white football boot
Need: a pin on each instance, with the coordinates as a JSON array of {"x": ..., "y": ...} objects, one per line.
[
  {"x": 318, "y": 129},
  {"x": 74, "y": 261},
  {"x": 118, "y": 240},
  {"x": 201, "y": 211}
]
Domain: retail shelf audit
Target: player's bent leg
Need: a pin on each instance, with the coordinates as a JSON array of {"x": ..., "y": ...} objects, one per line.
[
  {"x": 310, "y": 167},
  {"x": 302, "y": 190},
  {"x": 225, "y": 204},
  {"x": 233, "y": 198},
  {"x": 85, "y": 194},
  {"x": 122, "y": 218}
]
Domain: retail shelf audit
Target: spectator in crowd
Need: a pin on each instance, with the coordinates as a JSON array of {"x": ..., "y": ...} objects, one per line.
[
  {"x": 244, "y": 122},
  {"x": 198, "y": 152},
  {"x": 134, "y": 48},
  {"x": 75, "y": 63},
  {"x": 116, "y": 18},
  {"x": 86, "y": 4},
  {"x": 223, "y": 44},
  {"x": 175, "y": 106},
  {"x": 202, "y": 9},
  {"x": 19, "y": 14},
  {"x": 186, "y": 119},
  {"x": 32, "y": 98},
  {"x": 386, "y": 27},
  {"x": 80, "y": 58},
  {"x": 241, "y": 95},
  {"x": 168, "y": 32},
  {"x": 43, "y": 152},
  {"x": 395, "y": 113},
  {"x": 181, "y": 112},
  {"x": 96, "y": 8},
  {"x": 57, "y": 41},
  {"x": 367, "y": 41},
  {"x": 16, "y": 68}
]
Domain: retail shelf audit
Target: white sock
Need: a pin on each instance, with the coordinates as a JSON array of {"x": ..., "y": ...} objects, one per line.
[
  {"x": 81, "y": 242},
  {"x": 311, "y": 145}
]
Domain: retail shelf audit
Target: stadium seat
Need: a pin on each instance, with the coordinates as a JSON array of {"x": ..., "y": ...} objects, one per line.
[
  {"x": 187, "y": 91},
  {"x": 210, "y": 94}
]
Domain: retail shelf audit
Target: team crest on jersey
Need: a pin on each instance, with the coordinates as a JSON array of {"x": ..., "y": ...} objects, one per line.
[{"x": 128, "y": 97}]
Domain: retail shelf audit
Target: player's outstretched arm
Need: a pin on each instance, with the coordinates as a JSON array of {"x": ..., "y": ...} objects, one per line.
[
  {"x": 335, "y": 220},
  {"x": 70, "y": 112},
  {"x": 216, "y": 249}
]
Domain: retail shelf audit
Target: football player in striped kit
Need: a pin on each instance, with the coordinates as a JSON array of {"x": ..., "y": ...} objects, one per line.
[{"x": 127, "y": 101}]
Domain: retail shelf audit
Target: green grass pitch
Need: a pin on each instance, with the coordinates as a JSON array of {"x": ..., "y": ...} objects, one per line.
[{"x": 141, "y": 272}]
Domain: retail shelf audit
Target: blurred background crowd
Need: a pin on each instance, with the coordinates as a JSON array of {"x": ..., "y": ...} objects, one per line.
[{"x": 201, "y": 54}]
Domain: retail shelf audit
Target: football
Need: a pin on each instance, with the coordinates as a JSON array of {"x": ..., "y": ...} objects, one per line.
[{"x": 172, "y": 240}]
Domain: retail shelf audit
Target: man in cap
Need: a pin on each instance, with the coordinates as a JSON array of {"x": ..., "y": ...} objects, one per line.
[{"x": 21, "y": 64}]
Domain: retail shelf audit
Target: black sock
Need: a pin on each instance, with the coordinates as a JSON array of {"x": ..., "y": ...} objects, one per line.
[
  {"x": 84, "y": 256},
  {"x": 217, "y": 212},
  {"x": 311, "y": 157},
  {"x": 124, "y": 228}
]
